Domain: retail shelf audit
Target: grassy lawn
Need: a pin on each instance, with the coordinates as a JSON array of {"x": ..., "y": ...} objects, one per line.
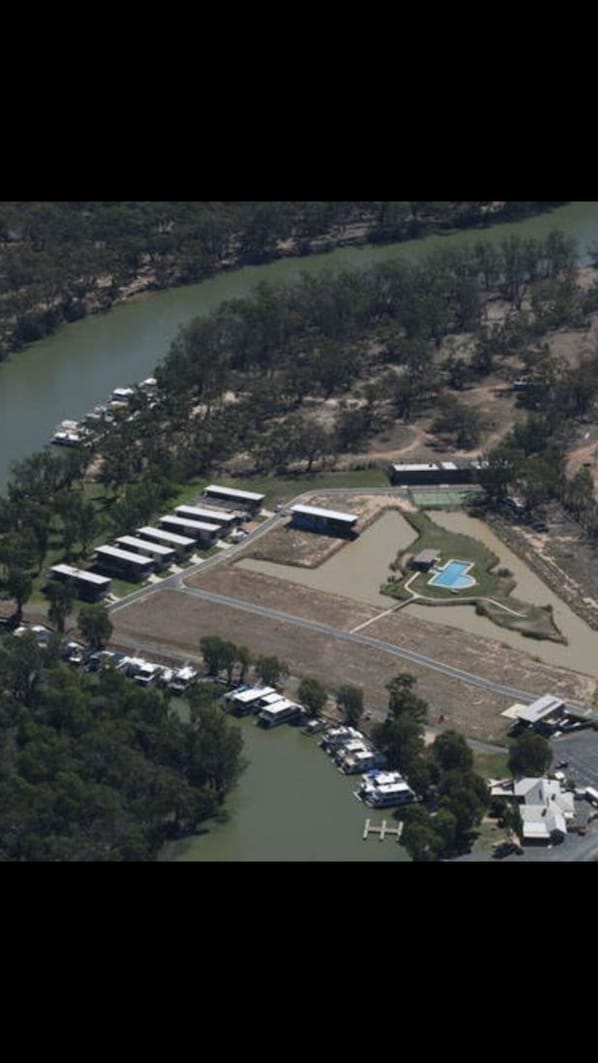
[
  {"x": 534, "y": 622},
  {"x": 278, "y": 489},
  {"x": 491, "y": 765}
]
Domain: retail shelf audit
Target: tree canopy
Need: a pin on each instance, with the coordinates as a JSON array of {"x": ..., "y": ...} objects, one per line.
[{"x": 95, "y": 768}]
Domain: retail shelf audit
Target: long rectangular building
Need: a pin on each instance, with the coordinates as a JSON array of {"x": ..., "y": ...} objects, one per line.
[
  {"x": 313, "y": 518},
  {"x": 221, "y": 517},
  {"x": 249, "y": 500},
  {"x": 90, "y": 585},
  {"x": 183, "y": 545},
  {"x": 123, "y": 563},
  {"x": 206, "y": 534},
  {"x": 162, "y": 555},
  {"x": 444, "y": 472}
]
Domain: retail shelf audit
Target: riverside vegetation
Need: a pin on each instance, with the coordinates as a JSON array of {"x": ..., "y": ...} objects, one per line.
[
  {"x": 242, "y": 391},
  {"x": 61, "y": 261}
]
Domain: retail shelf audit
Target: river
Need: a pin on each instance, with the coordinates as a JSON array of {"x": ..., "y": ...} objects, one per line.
[
  {"x": 290, "y": 803},
  {"x": 66, "y": 374}
]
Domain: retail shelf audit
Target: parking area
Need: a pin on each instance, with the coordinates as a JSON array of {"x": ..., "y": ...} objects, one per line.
[{"x": 580, "y": 750}]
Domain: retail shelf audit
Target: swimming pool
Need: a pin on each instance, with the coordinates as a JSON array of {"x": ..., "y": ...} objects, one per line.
[{"x": 454, "y": 576}]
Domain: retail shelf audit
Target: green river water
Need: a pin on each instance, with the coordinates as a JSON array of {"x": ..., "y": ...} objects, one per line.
[{"x": 291, "y": 803}]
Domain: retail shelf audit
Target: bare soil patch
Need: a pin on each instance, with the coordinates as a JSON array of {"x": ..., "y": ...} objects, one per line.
[
  {"x": 563, "y": 557},
  {"x": 174, "y": 622},
  {"x": 262, "y": 589},
  {"x": 482, "y": 656}
]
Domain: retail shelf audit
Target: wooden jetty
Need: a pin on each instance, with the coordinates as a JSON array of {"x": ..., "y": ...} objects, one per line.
[{"x": 382, "y": 830}]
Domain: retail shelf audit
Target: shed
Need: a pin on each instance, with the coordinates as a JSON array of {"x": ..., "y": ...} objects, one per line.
[{"x": 425, "y": 559}]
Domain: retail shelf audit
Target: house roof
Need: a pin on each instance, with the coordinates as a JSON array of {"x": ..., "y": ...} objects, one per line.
[
  {"x": 539, "y": 822},
  {"x": 541, "y": 708},
  {"x": 329, "y": 514}
]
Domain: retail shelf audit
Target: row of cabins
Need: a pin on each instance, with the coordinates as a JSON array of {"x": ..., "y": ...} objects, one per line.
[{"x": 136, "y": 557}]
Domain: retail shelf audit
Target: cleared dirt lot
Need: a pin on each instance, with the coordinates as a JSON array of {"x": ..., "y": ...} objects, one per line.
[
  {"x": 483, "y": 656},
  {"x": 266, "y": 590},
  {"x": 563, "y": 557},
  {"x": 175, "y": 622}
]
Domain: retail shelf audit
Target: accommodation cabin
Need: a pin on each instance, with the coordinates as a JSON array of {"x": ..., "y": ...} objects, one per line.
[
  {"x": 124, "y": 563},
  {"x": 183, "y": 545},
  {"x": 89, "y": 585},
  {"x": 221, "y": 517},
  {"x": 199, "y": 530},
  {"x": 163, "y": 556},
  {"x": 328, "y": 521},
  {"x": 245, "y": 500}
]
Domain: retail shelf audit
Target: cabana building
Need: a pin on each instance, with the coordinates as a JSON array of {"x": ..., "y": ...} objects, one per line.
[
  {"x": 182, "y": 545},
  {"x": 124, "y": 563},
  {"x": 444, "y": 472},
  {"x": 199, "y": 530},
  {"x": 90, "y": 585},
  {"x": 246, "y": 500},
  {"x": 221, "y": 517},
  {"x": 162, "y": 555},
  {"x": 329, "y": 521}
]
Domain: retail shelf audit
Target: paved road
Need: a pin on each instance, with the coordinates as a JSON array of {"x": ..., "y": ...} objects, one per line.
[
  {"x": 177, "y": 582},
  {"x": 581, "y": 751},
  {"x": 573, "y": 850}
]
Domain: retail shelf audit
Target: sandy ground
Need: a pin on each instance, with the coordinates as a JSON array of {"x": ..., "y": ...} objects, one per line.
[
  {"x": 175, "y": 623},
  {"x": 563, "y": 557},
  {"x": 172, "y": 622},
  {"x": 291, "y": 598}
]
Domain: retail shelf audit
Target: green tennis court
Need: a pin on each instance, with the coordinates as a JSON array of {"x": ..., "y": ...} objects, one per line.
[{"x": 438, "y": 497}]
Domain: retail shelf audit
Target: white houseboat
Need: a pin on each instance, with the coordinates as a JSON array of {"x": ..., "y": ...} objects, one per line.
[
  {"x": 244, "y": 701},
  {"x": 280, "y": 711},
  {"x": 385, "y": 789}
]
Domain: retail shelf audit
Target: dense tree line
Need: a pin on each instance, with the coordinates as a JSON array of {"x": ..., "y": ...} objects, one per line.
[
  {"x": 61, "y": 260},
  {"x": 530, "y": 461},
  {"x": 455, "y": 797},
  {"x": 241, "y": 383},
  {"x": 92, "y": 767}
]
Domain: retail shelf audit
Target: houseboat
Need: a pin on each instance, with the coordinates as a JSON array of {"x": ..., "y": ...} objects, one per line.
[
  {"x": 338, "y": 736},
  {"x": 182, "y": 679},
  {"x": 280, "y": 711},
  {"x": 385, "y": 789},
  {"x": 147, "y": 674},
  {"x": 243, "y": 701}
]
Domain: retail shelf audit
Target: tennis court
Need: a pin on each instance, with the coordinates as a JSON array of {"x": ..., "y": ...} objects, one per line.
[{"x": 440, "y": 497}]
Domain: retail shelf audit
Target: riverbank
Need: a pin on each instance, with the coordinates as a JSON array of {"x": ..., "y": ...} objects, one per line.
[{"x": 163, "y": 269}]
